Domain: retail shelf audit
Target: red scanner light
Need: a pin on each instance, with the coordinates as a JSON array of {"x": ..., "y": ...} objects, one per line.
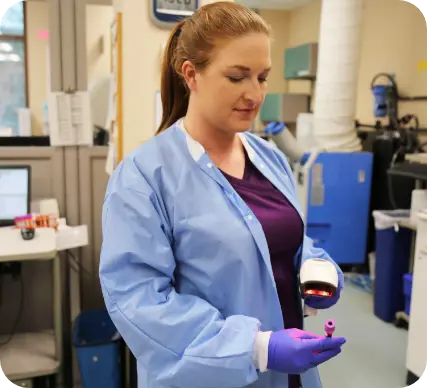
[{"x": 318, "y": 293}]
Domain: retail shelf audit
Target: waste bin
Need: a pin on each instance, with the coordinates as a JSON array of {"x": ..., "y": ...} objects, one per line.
[
  {"x": 98, "y": 348},
  {"x": 392, "y": 251}
]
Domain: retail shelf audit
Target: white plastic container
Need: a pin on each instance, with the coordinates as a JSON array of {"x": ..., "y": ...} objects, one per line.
[{"x": 418, "y": 203}]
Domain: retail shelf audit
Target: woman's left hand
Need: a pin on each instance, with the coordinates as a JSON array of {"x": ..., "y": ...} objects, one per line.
[{"x": 321, "y": 302}]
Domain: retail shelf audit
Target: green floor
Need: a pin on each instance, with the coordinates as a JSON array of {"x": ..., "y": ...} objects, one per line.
[{"x": 375, "y": 352}]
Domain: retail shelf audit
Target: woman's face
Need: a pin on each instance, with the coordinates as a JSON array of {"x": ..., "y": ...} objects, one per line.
[{"x": 230, "y": 91}]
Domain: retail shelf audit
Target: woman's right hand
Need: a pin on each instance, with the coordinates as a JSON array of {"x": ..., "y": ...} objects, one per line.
[{"x": 295, "y": 351}]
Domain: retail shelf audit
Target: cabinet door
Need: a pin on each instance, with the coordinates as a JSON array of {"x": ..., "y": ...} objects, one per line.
[{"x": 417, "y": 340}]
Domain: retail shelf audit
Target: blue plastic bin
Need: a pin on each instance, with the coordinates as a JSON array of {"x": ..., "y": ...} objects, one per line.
[
  {"x": 392, "y": 252},
  {"x": 98, "y": 348},
  {"x": 407, "y": 291}
]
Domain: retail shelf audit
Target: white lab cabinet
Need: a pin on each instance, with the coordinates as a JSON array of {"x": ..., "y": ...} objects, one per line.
[{"x": 417, "y": 340}]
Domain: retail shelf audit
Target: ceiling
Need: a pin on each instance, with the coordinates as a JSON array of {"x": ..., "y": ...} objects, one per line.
[{"x": 274, "y": 4}]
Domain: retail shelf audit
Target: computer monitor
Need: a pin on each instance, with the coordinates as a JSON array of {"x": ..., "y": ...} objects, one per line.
[{"x": 15, "y": 193}]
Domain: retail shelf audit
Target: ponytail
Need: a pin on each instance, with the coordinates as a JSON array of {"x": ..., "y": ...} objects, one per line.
[{"x": 175, "y": 96}]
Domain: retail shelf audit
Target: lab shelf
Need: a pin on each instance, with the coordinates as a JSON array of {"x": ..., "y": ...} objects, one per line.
[{"x": 29, "y": 355}]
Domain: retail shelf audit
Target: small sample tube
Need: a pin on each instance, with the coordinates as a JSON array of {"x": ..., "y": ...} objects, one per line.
[{"x": 329, "y": 327}]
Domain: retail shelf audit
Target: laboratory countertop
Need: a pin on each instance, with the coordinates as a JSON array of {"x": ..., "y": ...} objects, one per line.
[
  {"x": 14, "y": 248},
  {"x": 45, "y": 244}
]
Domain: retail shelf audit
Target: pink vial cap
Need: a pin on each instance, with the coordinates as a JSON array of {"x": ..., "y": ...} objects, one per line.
[{"x": 329, "y": 326}]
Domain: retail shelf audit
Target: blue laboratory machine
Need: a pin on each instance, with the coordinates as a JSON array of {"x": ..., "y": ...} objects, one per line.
[{"x": 334, "y": 189}]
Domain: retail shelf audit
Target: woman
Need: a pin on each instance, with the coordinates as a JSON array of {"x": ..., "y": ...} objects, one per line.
[{"x": 203, "y": 235}]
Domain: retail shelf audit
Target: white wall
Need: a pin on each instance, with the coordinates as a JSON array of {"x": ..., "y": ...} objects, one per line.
[
  {"x": 98, "y": 40},
  {"x": 37, "y": 53},
  {"x": 279, "y": 22}
]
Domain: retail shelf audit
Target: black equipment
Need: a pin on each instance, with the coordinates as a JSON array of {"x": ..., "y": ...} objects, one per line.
[{"x": 389, "y": 143}]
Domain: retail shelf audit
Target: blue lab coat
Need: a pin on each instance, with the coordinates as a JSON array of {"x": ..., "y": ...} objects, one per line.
[{"x": 185, "y": 268}]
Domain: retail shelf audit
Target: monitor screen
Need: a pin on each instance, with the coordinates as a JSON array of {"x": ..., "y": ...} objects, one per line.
[{"x": 14, "y": 192}]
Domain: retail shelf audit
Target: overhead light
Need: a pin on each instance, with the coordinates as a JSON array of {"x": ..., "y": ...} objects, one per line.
[{"x": 6, "y": 47}]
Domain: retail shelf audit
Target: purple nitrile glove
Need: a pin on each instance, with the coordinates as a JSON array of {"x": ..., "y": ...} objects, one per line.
[
  {"x": 295, "y": 351},
  {"x": 274, "y": 128},
  {"x": 322, "y": 302},
  {"x": 305, "y": 158}
]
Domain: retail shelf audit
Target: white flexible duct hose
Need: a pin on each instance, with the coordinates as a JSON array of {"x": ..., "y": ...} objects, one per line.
[
  {"x": 338, "y": 67},
  {"x": 287, "y": 143}
]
